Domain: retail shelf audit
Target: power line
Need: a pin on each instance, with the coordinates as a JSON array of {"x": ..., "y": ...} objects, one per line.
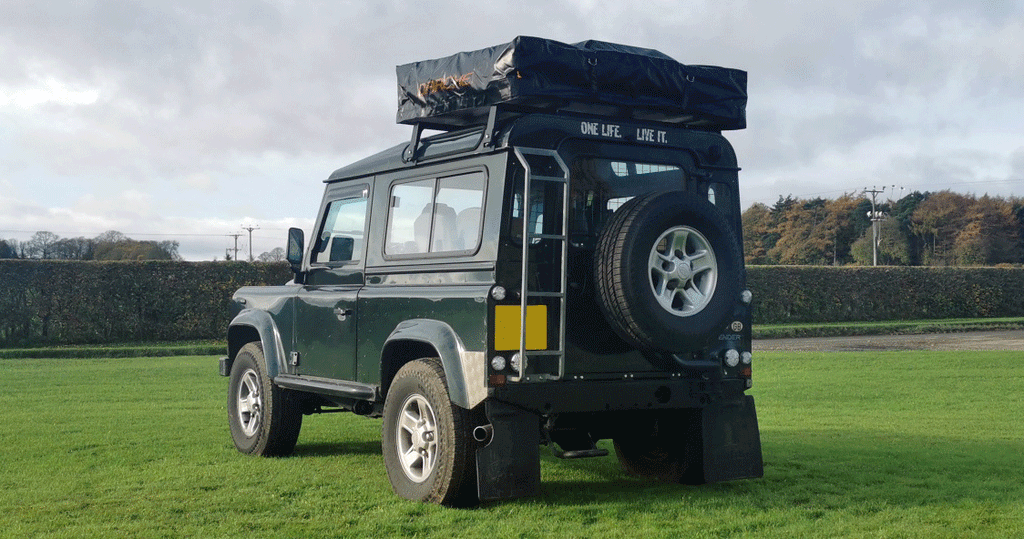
[{"x": 930, "y": 186}]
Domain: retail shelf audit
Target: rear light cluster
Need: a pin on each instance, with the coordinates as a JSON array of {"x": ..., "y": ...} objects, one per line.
[
  {"x": 734, "y": 358},
  {"x": 499, "y": 363}
]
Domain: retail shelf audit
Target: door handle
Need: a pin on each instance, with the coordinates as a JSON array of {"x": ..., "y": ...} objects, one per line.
[{"x": 342, "y": 314}]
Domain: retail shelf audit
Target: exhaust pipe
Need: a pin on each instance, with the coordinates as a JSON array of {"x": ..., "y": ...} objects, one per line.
[
  {"x": 362, "y": 408},
  {"x": 483, "y": 433}
]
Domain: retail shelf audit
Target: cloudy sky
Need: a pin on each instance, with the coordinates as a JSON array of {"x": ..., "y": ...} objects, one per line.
[{"x": 188, "y": 120}]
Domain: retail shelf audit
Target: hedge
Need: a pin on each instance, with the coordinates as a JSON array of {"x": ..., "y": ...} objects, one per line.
[
  {"x": 811, "y": 294},
  {"x": 66, "y": 302},
  {"x": 55, "y": 303}
]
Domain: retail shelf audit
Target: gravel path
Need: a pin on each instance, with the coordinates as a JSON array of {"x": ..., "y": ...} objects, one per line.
[{"x": 975, "y": 340}]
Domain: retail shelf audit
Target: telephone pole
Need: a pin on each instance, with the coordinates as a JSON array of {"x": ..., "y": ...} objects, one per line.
[
  {"x": 236, "y": 244},
  {"x": 250, "y": 228},
  {"x": 875, "y": 218}
]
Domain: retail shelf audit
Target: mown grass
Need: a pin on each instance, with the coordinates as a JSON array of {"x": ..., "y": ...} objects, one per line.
[{"x": 908, "y": 444}]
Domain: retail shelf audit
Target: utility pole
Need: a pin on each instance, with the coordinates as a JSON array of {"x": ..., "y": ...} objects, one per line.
[
  {"x": 875, "y": 218},
  {"x": 236, "y": 244},
  {"x": 250, "y": 228}
]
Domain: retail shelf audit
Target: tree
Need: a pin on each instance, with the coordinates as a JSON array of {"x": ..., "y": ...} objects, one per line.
[
  {"x": 171, "y": 249},
  {"x": 937, "y": 221},
  {"x": 73, "y": 249},
  {"x": 111, "y": 236},
  {"x": 758, "y": 234},
  {"x": 800, "y": 238},
  {"x": 893, "y": 245},
  {"x": 113, "y": 245},
  {"x": 40, "y": 245},
  {"x": 902, "y": 211},
  {"x": 990, "y": 234},
  {"x": 1018, "y": 213},
  {"x": 840, "y": 227},
  {"x": 8, "y": 248},
  {"x": 275, "y": 255}
]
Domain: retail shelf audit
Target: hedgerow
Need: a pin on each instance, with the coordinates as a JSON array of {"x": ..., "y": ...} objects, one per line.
[
  {"x": 795, "y": 294},
  {"x": 61, "y": 302},
  {"x": 73, "y": 302}
]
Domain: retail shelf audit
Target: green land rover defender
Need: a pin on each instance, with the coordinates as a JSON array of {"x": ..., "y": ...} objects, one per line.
[{"x": 554, "y": 258}]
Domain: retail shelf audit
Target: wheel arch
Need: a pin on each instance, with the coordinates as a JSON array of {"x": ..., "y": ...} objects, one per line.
[
  {"x": 253, "y": 325},
  {"x": 419, "y": 338}
]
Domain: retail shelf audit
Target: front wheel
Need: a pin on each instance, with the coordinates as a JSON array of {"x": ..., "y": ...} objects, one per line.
[
  {"x": 428, "y": 451},
  {"x": 264, "y": 419}
]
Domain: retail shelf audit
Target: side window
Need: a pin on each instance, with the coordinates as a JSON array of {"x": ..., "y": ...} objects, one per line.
[
  {"x": 437, "y": 215},
  {"x": 342, "y": 234}
]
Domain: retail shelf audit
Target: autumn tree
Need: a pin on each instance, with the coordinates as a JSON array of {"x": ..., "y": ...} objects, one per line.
[
  {"x": 990, "y": 235},
  {"x": 129, "y": 249},
  {"x": 759, "y": 234},
  {"x": 937, "y": 221}
]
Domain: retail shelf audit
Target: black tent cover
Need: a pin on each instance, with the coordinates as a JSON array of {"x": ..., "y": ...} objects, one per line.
[{"x": 592, "y": 77}]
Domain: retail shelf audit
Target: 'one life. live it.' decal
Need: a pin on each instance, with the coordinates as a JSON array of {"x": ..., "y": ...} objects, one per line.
[{"x": 615, "y": 131}]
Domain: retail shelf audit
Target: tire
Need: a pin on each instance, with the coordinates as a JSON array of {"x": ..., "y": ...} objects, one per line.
[
  {"x": 662, "y": 448},
  {"x": 667, "y": 272},
  {"x": 429, "y": 452},
  {"x": 264, "y": 419}
]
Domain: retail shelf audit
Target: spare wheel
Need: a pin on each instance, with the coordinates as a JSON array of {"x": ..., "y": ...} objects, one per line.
[{"x": 667, "y": 272}]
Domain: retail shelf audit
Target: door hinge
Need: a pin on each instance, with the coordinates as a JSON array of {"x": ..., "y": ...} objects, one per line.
[{"x": 295, "y": 359}]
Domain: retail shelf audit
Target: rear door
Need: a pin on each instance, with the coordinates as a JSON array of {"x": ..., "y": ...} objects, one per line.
[{"x": 325, "y": 317}]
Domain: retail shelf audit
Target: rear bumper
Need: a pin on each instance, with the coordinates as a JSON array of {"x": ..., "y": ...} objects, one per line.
[{"x": 569, "y": 396}]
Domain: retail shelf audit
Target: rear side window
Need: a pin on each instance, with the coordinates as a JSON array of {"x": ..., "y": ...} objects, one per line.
[{"x": 436, "y": 215}]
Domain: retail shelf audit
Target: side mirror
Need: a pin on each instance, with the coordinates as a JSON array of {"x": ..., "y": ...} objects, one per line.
[{"x": 296, "y": 246}]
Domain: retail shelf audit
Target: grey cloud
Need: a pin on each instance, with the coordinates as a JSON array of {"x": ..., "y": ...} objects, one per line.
[{"x": 194, "y": 87}]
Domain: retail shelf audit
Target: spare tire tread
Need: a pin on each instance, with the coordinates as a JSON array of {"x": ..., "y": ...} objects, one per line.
[{"x": 610, "y": 289}]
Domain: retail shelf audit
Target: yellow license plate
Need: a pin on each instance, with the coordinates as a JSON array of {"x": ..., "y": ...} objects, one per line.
[{"x": 507, "y": 319}]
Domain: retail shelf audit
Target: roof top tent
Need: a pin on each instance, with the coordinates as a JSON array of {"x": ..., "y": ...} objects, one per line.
[{"x": 595, "y": 78}]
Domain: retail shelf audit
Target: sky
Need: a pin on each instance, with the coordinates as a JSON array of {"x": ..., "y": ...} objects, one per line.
[{"x": 191, "y": 120}]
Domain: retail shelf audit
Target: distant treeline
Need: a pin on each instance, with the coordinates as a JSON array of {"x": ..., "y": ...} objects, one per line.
[
  {"x": 111, "y": 245},
  {"x": 921, "y": 229}
]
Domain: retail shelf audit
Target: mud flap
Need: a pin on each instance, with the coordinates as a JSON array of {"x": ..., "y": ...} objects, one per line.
[
  {"x": 732, "y": 443},
  {"x": 509, "y": 466}
]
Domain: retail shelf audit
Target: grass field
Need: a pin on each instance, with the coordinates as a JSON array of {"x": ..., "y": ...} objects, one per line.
[{"x": 927, "y": 444}]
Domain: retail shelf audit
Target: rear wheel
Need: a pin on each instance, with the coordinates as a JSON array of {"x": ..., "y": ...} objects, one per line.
[
  {"x": 428, "y": 449},
  {"x": 264, "y": 419},
  {"x": 662, "y": 448}
]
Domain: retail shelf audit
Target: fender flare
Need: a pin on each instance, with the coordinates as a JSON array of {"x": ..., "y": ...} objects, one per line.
[
  {"x": 270, "y": 337},
  {"x": 465, "y": 370}
]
